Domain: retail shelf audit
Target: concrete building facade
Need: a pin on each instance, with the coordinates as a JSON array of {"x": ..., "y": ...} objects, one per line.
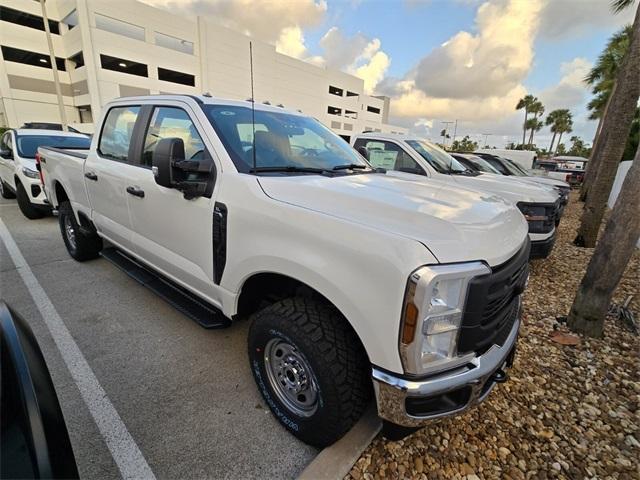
[{"x": 108, "y": 49}]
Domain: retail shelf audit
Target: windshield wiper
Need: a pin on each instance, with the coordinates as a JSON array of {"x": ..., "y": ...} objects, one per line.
[
  {"x": 289, "y": 168},
  {"x": 350, "y": 166}
]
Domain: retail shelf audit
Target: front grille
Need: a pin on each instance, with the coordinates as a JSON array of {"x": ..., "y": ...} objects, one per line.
[{"x": 492, "y": 304}]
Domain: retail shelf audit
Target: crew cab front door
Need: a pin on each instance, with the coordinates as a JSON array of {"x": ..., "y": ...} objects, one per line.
[{"x": 171, "y": 233}]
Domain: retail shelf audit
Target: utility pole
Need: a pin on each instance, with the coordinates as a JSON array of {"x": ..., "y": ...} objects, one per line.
[
  {"x": 455, "y": 130},
  {"x": 486, "y": 138},
  {"x": 54, "y": 67}
]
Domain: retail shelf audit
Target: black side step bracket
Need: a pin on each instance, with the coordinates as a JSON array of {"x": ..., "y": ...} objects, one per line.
[{"x": 198, "y": 310}]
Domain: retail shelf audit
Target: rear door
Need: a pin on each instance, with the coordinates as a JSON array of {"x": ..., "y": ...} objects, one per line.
[
  {"x": 107, "y": 171},
  {"x": 7, "y": 165},
  {"x": 170, "y": 232}
]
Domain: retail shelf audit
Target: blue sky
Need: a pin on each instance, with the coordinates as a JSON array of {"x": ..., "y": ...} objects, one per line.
[{"x": 440, "y": 60}]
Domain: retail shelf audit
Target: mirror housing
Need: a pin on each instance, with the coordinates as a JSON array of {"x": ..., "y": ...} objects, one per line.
[
  {"x": 363, "y": 151},
  {"x": 171, "y": 170}
]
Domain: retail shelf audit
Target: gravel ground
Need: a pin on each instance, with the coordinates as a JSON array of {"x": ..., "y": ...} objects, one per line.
[{"x": 567, "y": 411}]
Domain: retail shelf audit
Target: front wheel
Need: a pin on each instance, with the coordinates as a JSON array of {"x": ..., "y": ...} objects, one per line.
[
  {"x": 310, "y": 368},
  {"x": 27, "y": 208},
  {"x": 80, "y": 245}
]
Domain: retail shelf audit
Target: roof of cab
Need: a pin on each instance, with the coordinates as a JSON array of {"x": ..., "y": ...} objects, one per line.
[{"x": 210, "y": 100}]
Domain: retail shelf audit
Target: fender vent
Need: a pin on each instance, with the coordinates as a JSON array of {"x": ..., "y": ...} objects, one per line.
[{"x": 219, "y": 241}]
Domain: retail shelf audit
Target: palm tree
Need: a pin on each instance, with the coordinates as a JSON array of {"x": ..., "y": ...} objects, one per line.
[
  {"x": 537, "y": 109},
  {"x": 525, "y": 102},
  {"x": 602, "y": 78},
  {"x": 564, "y": 124},
  {"x": 621, "y": 233},
  {"x": 534, "y": 125},
  {"x": 552, "y": 120}
]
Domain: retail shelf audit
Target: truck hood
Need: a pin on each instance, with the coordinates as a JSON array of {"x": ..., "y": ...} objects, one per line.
[
  {"x": 455, "y": 224},
  {"x": 512, "y": 189},
  {"x": 549, "y": 182}
]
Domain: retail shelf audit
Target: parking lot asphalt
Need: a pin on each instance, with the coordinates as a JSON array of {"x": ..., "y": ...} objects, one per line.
[{"x": 185, "y": 394}]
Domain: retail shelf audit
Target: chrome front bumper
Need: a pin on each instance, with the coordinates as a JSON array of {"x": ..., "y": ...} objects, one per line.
[{"x": 475, "y": 380}]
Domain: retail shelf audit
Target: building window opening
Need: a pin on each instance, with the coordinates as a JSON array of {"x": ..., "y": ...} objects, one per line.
[
  {"x": 77, "y": 59},
  {"x": 174, "y": 43},
  {"x": 123, "y": 66},
  {"x": 119, "y": 27},
  {"x": 346, "y": 138},
  {"x": 350, "y": 114},
  {"x": 372, "y": 109},
  {"x": 335, "y": 91},
  {"x": 27, "y": 20},
  {"x": 176, "y": 77},
  {"x": 85, "y": 114},
  {"x": 11, "y": 54},
  {"x": 351, "y": 94},
  {"x": 334, "y": 111}
]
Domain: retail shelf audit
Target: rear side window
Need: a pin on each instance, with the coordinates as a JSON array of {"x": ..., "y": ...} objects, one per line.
[{"x": 116, "y": 133}]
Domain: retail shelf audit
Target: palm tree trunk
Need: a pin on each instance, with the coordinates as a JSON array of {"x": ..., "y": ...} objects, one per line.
[
  {"x": 553, "y": 139},
  {"x": 594, "y": 162},
  {"x": 531, "y": 137},
  {"x": 524, "y": 125},
  {"x": 558, "y": 144},
  {"x": 610, "y": 145},
  {"x": 610, "y": 258}
]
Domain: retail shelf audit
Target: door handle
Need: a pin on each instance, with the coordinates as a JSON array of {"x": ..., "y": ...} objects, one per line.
[
  {"x": 135, "y": 191},
  {"x": 91, "y": 176}
]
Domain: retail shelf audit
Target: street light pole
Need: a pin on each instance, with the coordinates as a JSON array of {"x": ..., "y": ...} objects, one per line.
[
  {"x": 54, "y": 67},
  {"x": 444, "y": 137}
]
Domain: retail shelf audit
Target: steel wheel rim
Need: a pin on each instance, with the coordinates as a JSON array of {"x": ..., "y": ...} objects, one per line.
[
  {"x": 291, "y": 377},
  {"x": 70, "y": 232}
]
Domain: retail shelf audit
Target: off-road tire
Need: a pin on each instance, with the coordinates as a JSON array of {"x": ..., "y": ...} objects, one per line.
[
  {"x": 84, "y": 246},
  {"x": 5, "y": 192},
  {"x": 26, "y": 207},
  {"x": 339, "y": 364}
]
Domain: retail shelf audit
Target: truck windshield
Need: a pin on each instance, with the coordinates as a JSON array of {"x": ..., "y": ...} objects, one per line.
[
  {"x": 28, "y": 144},
  {"x": 482, "y": 165},
  {"x": 283, "y": 142},
  {"x": 438, "y": 159}
]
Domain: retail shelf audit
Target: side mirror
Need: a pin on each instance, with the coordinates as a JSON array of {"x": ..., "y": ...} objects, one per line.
[
  {"x": 167, "y": 152},
  {"x": 6, "y": 153},
  {"x": 363, "y": 151},
  {"x": 170, "y": 168}
]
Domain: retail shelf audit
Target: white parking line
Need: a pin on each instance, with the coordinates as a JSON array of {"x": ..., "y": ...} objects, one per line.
[{"x": 123, "y": 448}]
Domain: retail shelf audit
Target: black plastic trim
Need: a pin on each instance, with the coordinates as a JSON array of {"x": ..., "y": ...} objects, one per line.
[{"x": 219, "y": 235}]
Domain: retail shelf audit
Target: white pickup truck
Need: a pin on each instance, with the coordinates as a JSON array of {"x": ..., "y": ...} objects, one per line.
[
  {"x": 417, "y": 157},
  {"x": 18, "y": 174},
  {"x": 357, "y": 283}
]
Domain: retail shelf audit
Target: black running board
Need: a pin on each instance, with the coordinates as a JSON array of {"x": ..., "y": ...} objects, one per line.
[{"x": 198, "y": 310}]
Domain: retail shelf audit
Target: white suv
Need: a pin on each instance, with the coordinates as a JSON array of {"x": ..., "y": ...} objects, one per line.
[{"x": 19, "y": 176}]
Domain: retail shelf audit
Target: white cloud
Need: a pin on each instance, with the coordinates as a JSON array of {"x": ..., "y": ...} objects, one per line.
[
  {"x": 571, "y": 91},
  {"x": 291, "y": 42},
  {"x": 574, "y": 18},
  {"x": 491, "y": 62}
]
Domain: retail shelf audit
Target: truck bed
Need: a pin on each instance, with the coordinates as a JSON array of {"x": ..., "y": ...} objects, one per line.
[{"x": 66, "y": 167}]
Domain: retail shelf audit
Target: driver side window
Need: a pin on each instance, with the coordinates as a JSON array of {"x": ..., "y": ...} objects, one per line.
[
  {"x": 172, "y": 122},
  {"x": 388, "y": 155}
]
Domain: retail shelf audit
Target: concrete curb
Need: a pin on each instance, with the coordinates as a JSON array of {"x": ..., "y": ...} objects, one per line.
[{"x": 335, "y": 461}]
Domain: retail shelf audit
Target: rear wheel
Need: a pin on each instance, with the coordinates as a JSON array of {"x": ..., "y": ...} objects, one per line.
[
  {"x": 27, "y": 208},
  {"x": 310, "y": 368},
  {"x": 5, "y": 192},
  {"x": 80, "y": 245}
]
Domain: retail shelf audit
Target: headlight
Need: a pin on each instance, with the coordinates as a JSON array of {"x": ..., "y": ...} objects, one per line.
[
  {"x": 27, "y": 172},
  {"x": 432, "y": 315}
]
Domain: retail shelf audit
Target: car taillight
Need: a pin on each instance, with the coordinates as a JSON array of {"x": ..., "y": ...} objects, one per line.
[{"x": 39, "y": 168}]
